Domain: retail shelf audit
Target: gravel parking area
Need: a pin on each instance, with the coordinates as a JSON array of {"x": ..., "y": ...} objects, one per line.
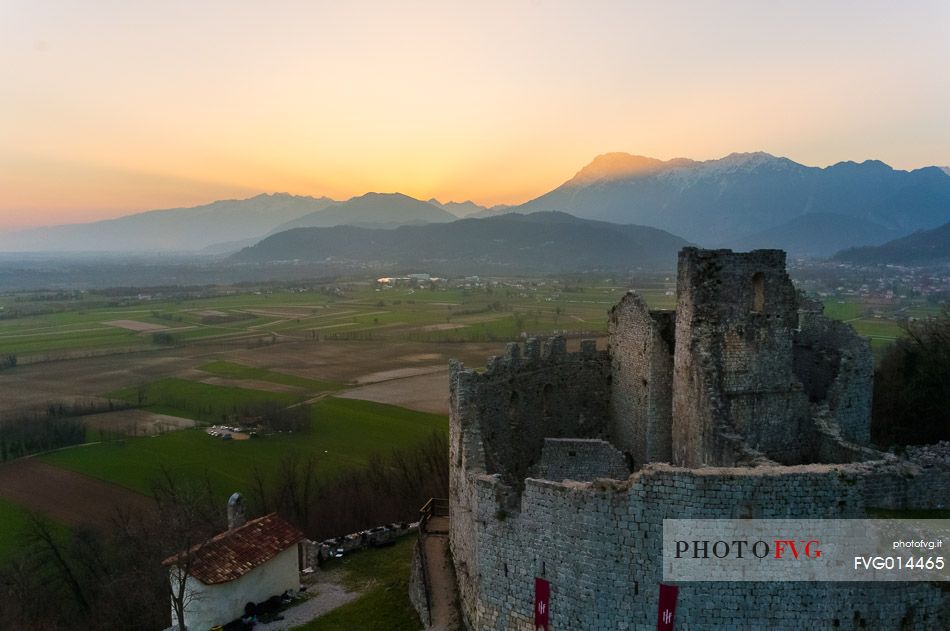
[{"x": 329, "y": 596}]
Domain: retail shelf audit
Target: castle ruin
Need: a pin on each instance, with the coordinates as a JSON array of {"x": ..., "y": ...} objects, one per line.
[{"x": 744, "y": 402}]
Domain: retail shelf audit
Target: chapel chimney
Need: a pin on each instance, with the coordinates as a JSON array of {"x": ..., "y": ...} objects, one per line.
[{"x": 236, "y": 514}]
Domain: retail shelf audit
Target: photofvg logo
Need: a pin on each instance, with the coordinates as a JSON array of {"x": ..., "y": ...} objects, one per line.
[
  {"x": 805, "y": 550},
  {"x": 740, "y": 548}
]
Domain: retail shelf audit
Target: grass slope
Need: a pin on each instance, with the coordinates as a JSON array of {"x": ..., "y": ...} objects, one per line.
[
  {"x": 344, "y": 434},
  {"x": 13, "y": 522}
]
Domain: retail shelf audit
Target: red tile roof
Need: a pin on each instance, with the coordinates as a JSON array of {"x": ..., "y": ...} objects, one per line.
[{"x": 233, "y": 553}]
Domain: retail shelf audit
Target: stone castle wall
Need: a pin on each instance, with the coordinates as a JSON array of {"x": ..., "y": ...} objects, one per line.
[
  {"x": 500, "y": 418},
  {"x": 599, "y": 545},
  {"x": 746, "y": 377},
  {"x": 580, "y": 459},
  {"x": 836, "y": 367},
  {"x": 641, "y": 395},
  {"x": 521, "y": 399}
]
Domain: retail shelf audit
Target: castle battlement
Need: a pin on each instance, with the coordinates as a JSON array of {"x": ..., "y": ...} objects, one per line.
[{"x": 744, "y": 402}]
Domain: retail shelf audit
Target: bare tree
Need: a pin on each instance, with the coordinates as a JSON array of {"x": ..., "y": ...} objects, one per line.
[
  {"x": 190, "y": 517},
  {"x": 43, "y": 537},
  {"x": 66, "y": 579}
]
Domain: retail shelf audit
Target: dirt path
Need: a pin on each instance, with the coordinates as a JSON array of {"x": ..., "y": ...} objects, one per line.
[
  {"x": 441, "y": 578},
  {"x": 399, "y": 373},
  {"x": 66, "y": 496},
  {"x": 252, "y": 384}
]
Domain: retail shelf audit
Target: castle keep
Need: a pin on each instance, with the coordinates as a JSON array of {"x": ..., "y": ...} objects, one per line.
[
  {"x": 746, "y": 371},
  {"x": 745, "y": 402}
]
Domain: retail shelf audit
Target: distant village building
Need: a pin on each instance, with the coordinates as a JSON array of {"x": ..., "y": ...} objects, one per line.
[
  {"x": 249, "y": 563},
  {"x": 411, "y": 279}
]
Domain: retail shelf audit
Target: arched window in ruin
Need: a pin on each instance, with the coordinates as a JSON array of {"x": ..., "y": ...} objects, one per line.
[
  {"x": 758, "y": 292},
  {"x": 547, "y": 399}
]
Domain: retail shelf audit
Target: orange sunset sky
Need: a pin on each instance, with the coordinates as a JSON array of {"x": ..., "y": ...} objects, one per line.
[{"x": 112, "y": 107}]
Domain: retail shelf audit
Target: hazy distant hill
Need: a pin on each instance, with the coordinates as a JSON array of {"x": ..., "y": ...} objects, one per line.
[
  {"x": 926, "y": 247},
  {"x": 494, "y": 211},
  {"x": 223, "y": 226},
  {"x": 816, "y": 235},
  {"x": 372, "y": 209},
  {"x": 735, "y": 199},
  {"x": 537, "y": 242},
  {"x": 470, "y": 209},
  {"x": 176, "y": 229}
]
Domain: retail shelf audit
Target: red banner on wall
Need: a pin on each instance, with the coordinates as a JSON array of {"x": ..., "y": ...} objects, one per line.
[
  {"x": 542, "y": 603},
  {"x": 666, "y": 612}
]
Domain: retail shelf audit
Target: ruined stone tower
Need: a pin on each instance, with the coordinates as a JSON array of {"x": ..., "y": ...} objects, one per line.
[
  {"x": 745, "y": 402},
  {"x": 745, "y": 371}
]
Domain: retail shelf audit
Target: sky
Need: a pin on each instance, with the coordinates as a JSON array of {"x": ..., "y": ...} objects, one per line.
[{"x": 113, "y": 107}]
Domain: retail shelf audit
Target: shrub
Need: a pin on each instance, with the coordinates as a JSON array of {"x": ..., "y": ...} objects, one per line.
[{"x": 912, "y": 386}]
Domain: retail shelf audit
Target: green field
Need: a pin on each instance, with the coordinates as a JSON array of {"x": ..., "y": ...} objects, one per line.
[
  {"x": 881, "y": 325},
  {"x": 13, "y": 523},
  {"x": 232, "y": 370},
  {"x": 383, "y": 576},
  {"x": 200, "y": 401},
  {"x": 358, "y": 310},
  {"x": 843, "y": 310},
  {"x": 344, "y": 434},
  {"x": 882, "y": 333},
  {"x": 55, "y": 339}
]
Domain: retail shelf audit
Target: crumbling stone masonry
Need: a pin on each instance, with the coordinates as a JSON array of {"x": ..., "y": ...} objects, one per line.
[
  {"x": 745, "y": 403},
  {"x": 641, "y": 395},
  {"x": 755, "y": 364}
]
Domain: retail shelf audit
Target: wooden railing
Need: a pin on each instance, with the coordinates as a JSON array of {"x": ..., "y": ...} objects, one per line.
[{"x": 435, "y": 507}]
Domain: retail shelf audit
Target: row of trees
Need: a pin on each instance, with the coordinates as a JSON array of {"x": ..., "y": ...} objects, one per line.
[
  {"x": 57, "y": 425},
  {"x": 389, "y": 489},
  {"x": 275, "y": 417}
]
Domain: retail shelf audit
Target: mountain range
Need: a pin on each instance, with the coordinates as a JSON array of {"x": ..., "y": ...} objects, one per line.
[
  {"x": 756, "y": 199},
  {"x": 925, "y": 247},
  {"x": 743, "y": 201},
  {"x": 372, "y": 210},
  {"x": 537, "y": 242},
  {"x": 469, "y": 208},
  {"x": 171, "y": 230},
  {"x": 223, "y": 226}
]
